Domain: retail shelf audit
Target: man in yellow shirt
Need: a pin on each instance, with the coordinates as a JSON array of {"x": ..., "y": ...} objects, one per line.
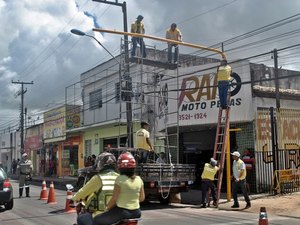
[
  {"x": 173, "y": 33},
  {"x": 208, "y": 176},
  {"x": 143, "y": 143},
  {"x": 99, "y": 188},
  {"x": 223, "y": 77},
  {"x": 138, "y": 27}
]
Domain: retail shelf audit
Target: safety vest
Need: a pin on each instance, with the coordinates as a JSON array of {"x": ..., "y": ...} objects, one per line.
[
  {"x": 25, "y": 167},
  {"x": 238, "y": 165},
  {"x": 209, "y": 172},
  {"x": 108, "y": 182},
  {"x": 137, "y": 28},
  {"x": 224, "y": 73}
]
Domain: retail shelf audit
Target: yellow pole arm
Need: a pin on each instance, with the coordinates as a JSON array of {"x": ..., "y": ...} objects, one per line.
[{"x": 163, "y": 39}]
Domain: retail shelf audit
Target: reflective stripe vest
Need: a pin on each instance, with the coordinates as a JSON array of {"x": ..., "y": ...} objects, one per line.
[
  {"x": 224, "y": 73},
  {"x": 108, "y": 181},
  {"x": 137, "y": 28},
  {"x": 97, "y": 201}
]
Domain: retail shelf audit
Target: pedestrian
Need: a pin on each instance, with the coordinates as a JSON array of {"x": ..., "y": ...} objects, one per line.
[
  {"x": 14, "y": 166},
  {"x": 143, "y": 143},
  {"x": 93, "y": 161},
  {"x": 88, "y": 161},
  {"x": 239, "y": 180},
  {"x": 127, "y": 195},
  {"x": 99, "y": 187},
  {"x": 162, "y": 158},
  {"x": 173, "y": 33},
  {"x": 25, "y": 168},
  {"x": 51, "y": 167},
  {"x": 139, "y": 28},
  {"x": 223, "y": 77},
  {"x": 208, "y": 176}
]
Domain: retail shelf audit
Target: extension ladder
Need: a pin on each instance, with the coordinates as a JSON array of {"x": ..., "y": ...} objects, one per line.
[{"x": 220, "y": 145}]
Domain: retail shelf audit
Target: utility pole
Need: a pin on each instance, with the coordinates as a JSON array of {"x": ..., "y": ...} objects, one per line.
[
  {"x": 275, "y": 55},
  {"x": 128, "y": 85},
  {"x": 22, "y": 92}
]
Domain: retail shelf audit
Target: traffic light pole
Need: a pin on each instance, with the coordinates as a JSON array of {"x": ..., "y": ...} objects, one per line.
[{"x": 128, "y": 85}]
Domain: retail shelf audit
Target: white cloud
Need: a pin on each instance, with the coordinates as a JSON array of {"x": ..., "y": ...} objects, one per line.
[{"x": 36, "y": 43}]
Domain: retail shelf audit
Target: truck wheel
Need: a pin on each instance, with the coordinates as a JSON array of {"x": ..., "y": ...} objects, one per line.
[{"x": 164, "y": 201}]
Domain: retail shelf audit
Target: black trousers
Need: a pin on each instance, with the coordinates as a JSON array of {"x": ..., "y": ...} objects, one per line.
[
  {"x": 116, "y": 214},
  {"x": 204, "y": 188},
  {"x": 242, "y": 185}
]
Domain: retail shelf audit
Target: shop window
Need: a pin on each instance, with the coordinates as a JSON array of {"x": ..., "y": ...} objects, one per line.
[{"x": 96, "y": 99}]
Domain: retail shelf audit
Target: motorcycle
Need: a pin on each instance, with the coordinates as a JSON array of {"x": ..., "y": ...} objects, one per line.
[{"x": 81, "y": 209}]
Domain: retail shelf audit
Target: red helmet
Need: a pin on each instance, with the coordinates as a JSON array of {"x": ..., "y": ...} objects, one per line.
[{"x": 126, "y": 160}]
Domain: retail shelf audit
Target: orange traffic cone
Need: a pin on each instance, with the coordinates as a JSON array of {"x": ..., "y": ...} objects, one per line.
[
  {"x": 68, "y": 209},
  {"x": 51, "y": 195},
  {"x": 44, "y": 194},
  {"x": 263, "y": 217}
]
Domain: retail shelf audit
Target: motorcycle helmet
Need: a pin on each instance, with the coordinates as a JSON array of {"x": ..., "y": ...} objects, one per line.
[
  {"x": 106, "y": 159},
  {"x": 126, "y": 161}
]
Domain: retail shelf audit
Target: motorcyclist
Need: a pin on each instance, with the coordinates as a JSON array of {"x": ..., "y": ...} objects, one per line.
[
  {"x": 127, "y": 195},
  {"x": 98, "y": 189}
]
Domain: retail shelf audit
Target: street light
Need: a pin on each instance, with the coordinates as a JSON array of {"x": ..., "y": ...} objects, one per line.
[
  {"x": 81, "y": 33},
  {"x": 128, "y": 103}
]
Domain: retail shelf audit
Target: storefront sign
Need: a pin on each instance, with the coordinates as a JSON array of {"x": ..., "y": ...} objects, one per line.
[
  {"x": 197, "y": 100},
  {"x": 55, "y": 125}
]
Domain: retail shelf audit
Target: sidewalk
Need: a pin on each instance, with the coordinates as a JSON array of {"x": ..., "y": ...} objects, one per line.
[{"x": 59, "y": 182}]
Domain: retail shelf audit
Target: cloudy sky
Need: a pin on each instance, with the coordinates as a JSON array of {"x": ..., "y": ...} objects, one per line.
[{"x": 36, "y": 43}]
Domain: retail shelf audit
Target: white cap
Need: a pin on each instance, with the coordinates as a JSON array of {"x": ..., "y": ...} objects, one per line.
[
  {"x": 236, "y": 153},
  {"x": 213, "y": 161},
  {"x": 24, "y": 155}
]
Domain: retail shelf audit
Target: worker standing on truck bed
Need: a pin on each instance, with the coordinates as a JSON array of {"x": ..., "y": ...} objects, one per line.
[{"x": 143, "y": 143}]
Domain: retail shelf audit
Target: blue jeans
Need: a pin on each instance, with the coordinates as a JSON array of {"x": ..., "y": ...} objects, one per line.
[
  {"x": 115, "y": 215},
  {"x": 136, "y": 40},
  {"x": 170, "y": 46},
  {"x": 223, "y": 87},
  {"x": 143, "y": 155},
  {"x": 85, "y": 219}
]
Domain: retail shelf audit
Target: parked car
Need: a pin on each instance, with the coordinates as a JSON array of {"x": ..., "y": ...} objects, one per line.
[{"x": 6, "y": 191}]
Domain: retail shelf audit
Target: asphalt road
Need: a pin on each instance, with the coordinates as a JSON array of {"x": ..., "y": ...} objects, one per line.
[{"x": 29, "y": 211}]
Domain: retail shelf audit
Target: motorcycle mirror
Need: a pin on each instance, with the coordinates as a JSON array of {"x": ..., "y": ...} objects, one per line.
[{"x": 69, "y": 187}]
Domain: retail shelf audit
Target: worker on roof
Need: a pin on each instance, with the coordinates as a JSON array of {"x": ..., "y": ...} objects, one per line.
[
  {"x": 173, "y": 33},
  {"x": 223, "y": 77},
  {"x": 139, "y": 28}
]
